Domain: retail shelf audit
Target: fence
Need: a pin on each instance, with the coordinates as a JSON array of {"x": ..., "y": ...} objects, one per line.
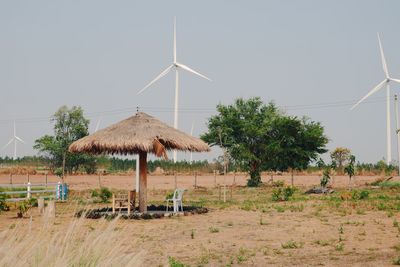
[{"x": 56, "y": 191}]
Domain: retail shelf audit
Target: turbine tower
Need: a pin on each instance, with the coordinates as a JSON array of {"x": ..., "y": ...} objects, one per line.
[
  {"x": 191, "y": 134},
  {"x": 176, "y": 66},
  {"x": 14, "y": 139},
  {"x": 384, "y": 83}
]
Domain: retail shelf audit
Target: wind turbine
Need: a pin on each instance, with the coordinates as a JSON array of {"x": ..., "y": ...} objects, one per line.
[
  {"x": 191, "y": 134},
  {"x": 14, "y": 139},
  {"x": 97, "y": 125},
  {"x": 384, "y": 83},
  {"x": 176, "y": 66}
]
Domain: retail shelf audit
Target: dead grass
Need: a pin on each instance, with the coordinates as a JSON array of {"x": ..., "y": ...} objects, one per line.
[{"x": 101, "y": 244}]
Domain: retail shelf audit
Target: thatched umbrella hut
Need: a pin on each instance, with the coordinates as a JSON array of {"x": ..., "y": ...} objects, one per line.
[{"x": 139, "y": 134}]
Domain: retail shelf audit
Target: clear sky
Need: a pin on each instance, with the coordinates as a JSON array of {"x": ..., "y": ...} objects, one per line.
[{"x": 98, "y": 54}]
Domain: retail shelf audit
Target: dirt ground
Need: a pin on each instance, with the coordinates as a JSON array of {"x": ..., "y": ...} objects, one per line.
[
  {"x": 155, "y": 182},
  {"x": 249, "y": 229}
]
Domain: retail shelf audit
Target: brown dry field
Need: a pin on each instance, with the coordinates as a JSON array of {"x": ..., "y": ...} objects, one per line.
[
  {"x": 248, "y": 230},
  {"x": 155, "y": 182}
]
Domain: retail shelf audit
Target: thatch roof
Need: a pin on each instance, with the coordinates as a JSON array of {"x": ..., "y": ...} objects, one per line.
[{"x": 138, "y": 133}]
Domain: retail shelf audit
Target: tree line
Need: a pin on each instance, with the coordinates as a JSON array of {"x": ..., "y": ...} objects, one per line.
[{"x": 254, "y": 136}]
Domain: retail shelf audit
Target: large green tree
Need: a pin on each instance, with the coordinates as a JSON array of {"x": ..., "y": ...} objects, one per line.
[
  {"x": 260, "y": 137},
  {"x": 69, "y": 126}
]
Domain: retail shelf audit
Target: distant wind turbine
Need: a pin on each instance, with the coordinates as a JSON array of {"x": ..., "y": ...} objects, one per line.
[
  {"x": 176, "y": 66},
  {"x": 384, "y": 83},
  {"x": 14, "y": 139},
  {"x": 191, "y": 133},
  {"x": 97, "y": 125}
]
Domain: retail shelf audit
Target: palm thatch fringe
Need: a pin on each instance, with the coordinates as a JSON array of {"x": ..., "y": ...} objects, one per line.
[{"x": 139, "y": 133}]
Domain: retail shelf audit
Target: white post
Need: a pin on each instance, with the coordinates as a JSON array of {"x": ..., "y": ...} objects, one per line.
[
  {"x": 396, "y": 114},
  {"x": 137, "y": 175},
  {"x": 28, "y": 195},
  {"x": 388, "y": 130},
  {"x": 15, "y": 143},
  {"x": 58, "y": 187},
  {"x": 176, "y": 106}
]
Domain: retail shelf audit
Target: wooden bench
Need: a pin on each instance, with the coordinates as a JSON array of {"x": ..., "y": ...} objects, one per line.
[{"x": 122, "y": 201}]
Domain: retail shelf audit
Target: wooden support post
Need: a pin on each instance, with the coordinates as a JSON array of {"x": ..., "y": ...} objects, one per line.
[
  {"x": 29, "y": 179},
  {"x": 143, "y": 182},
  {"x": 219, "y": 191},
  {"x": 113, "y": 203},
  {"x": 41, "y": 205},
  {"x": 224, "y": 192},
  {"x": 231, "y": 191},
  {"x": 129, "y": 203},
  {"x": 234, "y": 178},
  {"x": 195, "y": 179},
  {"x": 215, "y": 178},
  {"x": 46, "y": 179},
  {"x": 10, "y": 178},
  {"x": 292, "y": 178}
]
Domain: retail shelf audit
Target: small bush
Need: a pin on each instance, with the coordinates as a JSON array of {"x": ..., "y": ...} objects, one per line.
[
  {"x": 325, "y": 178},
  {"x": 213, "y": 229},
  {"x": 359, "y": 195},
  {"x": 105, "y": 194},
  {"x": 3, "y": 204},
  {"x": 364, "y": 194},
  {"x": 283, "y": 194},
  {"x": 175, "y": 263},
  {"x": 291, "y": 245},
  {"x": 169, "y": 195},
  {"x": 23, "y": 208}
]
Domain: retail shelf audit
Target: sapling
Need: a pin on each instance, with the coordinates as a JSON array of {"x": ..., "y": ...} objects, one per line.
[{"x": 349, "y": 169}]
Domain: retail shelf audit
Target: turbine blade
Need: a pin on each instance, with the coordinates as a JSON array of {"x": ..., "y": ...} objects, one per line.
[
  {"x": 384, "y": 65},
  {"x": 395, "y": 80},
  {"x": 162, "y": 74},
  {"x": 375, "y": 89},
  {"x": 192, "y": 71},
  {"x": 19, "y": 139},
  {"x": 97, "y": 125},
  {"x": 9, "y": 142},
  {"x": 174, "y": 39}
]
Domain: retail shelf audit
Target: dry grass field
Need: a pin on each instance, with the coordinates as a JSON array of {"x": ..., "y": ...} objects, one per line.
[{"x": 345, "y": 228}]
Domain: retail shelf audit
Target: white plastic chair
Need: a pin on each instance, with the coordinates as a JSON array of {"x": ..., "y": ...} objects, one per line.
[{"x": 176, "y": 200}]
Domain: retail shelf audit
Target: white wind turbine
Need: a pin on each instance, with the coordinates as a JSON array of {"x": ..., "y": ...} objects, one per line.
[
  {"x": 176, "y": 66},
  {"x": 14, "y": 139},
  {"x": 191, "y": 134},
  {"x": 384, "y": 83}
]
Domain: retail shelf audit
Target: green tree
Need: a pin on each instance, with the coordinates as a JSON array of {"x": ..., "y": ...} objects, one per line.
[
  {"x": 69, "y": 126},
  {"x": 339, "y": 157},
  {"x": 260, "y": 137},
  {"x": 349, "y": 169}
]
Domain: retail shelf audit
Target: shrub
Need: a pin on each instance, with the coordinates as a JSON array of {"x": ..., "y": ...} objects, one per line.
[
  {"x": 169, "y": 195},
  {"x": 105, "y": 194},
  {"x": 364, "y": 194},
  {"x": 3, "y": 204},
  {"x": 357, "y": 195},
  {"x": 175, "y": 263},
  {"x": 283, "y": 194},
  {"x": 213, "y": 229},
  {"x": 325, "y": 178},
  {"x": 291, "y": 245},
  {"x": 23, "y": 208}
]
